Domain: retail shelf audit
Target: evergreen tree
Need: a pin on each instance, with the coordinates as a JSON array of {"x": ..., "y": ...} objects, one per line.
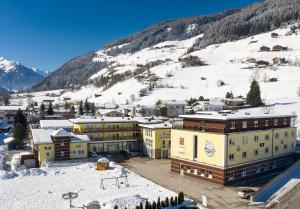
[
  {"x": 81, "y": 108},
  {"x": 6, "y": 101},
  {"x": 172, "y": 201},
  {"x": 86, "y": 106},
  {"x": 158, "y": 203},
  {"x": 50, "y": 109},
  {"x": 162, "y": 204},
  {"x": 229, "y": 95},
  {"x": 253, "y": 96},
  {"x": 42, "y": 107},
  {"x": 20, "y": 135},
  {"x": 180, "y": 198},
  {"x": 154, "y": 205},
  {"x": 20, "y": 118},
  {"x": 167, "y": 202},
  {"x": 93, "y": 108},
  {"x": 141, "y": 205},
  {"x": 116, "y": 207},
  {"x": 137, "y": 207},
  {"x": 176, "y": 201}
]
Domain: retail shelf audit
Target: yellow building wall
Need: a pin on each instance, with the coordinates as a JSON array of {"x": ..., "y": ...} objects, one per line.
[
  {"x": 290, "y": 140},
  {"x": 43, "y": 150},
  {"x": 185, "y": 151},
  {"x": 78, "y": 150}
]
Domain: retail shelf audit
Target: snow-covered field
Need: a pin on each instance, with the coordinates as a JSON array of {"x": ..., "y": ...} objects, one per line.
[
  {"x": 45, "y": 191},
  {"x": 225, "y": 62}
]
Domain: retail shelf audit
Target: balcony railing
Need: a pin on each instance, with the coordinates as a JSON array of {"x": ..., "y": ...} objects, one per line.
[
  {"x": 202, "y": 129},
  {"x": 115, "y": 138},
  {"x": 119, "y": 129}
]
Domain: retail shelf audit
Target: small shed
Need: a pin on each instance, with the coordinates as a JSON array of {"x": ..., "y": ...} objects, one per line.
[
  {"x": 91, "y": 204},
  {"x": 279, "y": 60},
  {"x": 264, "y": 49},
  {"x": 102, "y": 164},
  {"x": 274, "y": 35}
]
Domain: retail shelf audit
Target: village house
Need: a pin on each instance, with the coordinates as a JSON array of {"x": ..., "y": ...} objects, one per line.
[
  {"x": 213, "y": 105},
  {"x": 279, "y": 60},
  {"x": 230, "y": 148},
  {"x": 7, "y": 113},
  {"x": 57, "y": 124},
  {"x": 109, "y": 113},
  {"x": 279, "y": 48},
  {"x": 174, "y": 108},
  {"x": 262, "y": 63},
  {"x": 264, "y": 49}
]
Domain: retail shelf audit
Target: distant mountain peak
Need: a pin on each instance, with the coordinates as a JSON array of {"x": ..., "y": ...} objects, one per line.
[{"x": 7, "y": 65}]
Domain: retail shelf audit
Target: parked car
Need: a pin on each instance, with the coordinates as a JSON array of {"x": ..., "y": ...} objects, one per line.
[{"x": 246, "y": 193}]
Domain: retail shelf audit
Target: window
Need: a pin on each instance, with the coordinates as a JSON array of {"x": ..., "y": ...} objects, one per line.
[
  {"x": 262, "y": 144},
  {"x": 292, "y": 133},
  {"x": 47, "y": 154},
  {"x": 245, "y": 140},
  {"x": 266, "y": 150},
  {"x": 256, "y": 152},
  {"x": 244, "y": 172},
  {"x": 209, "y": 174},
  {"x": 232, "y": 125},
  {"x": 267, "y": 137},
  {"x": 285, "y": 121},
  {"x": 256, "y": 123},
  {"x": 286, "y": 134},
  {"x": 244, "y": 154},
  {"x": 285, "y": 146},
  {"x": 275, "y": 122},
  {"x": 276, "y": 136},
  {"x": 231, "y": 175},
  {"x": 231, "y": 141},
  {"x": 80, "y": 152},
  {"x": 62, "y": 153},
  {"x": 62, "y": 144},
  {"x": 244, "y": 124},
  {"x": 266, "y": 166},
  {"x": 231, "y": 156},
  {"x": 163, "y": 144},
  {"x": 257, "y": 169},
  {"x": 266, "y": 123},
  {"x": 276, "y": 148},
  {"x": 170, "y": 143},
  {"x": 256, "y": 138},
  {"x": 274, "y": 164},
  {"x": 292, "y": 145},
  {"x": 195, "y": 147}
]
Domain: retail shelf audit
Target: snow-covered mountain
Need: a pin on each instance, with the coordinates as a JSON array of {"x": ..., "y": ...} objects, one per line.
[{"x": 15, "y": 76}]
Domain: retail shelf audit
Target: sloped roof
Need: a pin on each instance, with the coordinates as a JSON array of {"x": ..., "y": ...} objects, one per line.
[{"x": 60, "y": 133}]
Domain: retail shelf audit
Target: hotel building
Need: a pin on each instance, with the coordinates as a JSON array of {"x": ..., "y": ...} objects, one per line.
[
  {"x": 230, "y": 148},
  {"x": 110, "y": 134},
  {"x": 157, "y": 139}
]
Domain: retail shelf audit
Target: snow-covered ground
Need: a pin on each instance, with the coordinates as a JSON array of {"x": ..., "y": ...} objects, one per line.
[
  {"x": 225, "y": 62},
  {"x": 45, "y": 191}
]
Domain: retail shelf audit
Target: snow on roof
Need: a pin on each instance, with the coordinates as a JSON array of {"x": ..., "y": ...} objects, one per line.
[
  {"x": 12, "y": 108},
  {"x": 103, "y": 119},
  {"x": 9, "y": 140},
  {"x": 79, "y": 138},
  {"x": 56, "y": 124},
  {"x": 42, "y": 136},
  {"x": 157, "y": 125},
  {"x": 103, "y": 160},
  {"x": 106, "y": 111},
  {"x": 60, "y": 133},
  {"x": 235, "y": 116},
  {"x": 174, "y": 102}
]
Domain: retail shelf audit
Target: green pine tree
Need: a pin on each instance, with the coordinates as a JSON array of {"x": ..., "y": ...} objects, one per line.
[
  {"x": 176, "y": 201},
  {"x": 253, "y": 96},
  {"x": 20, "y": 135},
  {"x": 42, "y": 107},
  {"x": 158, "y": 203},
  {"x": 50, "y": 109},
  {"x": 141, "y": 205},
  {"x": 93, "y": 108},
  {"x": 87, "y": 106},
  {"x": 154, "y": 205},
  {"x": 167, "y": 202},
  {"x": 81, "y": 108},
  {"x": 6, "y": 102}
]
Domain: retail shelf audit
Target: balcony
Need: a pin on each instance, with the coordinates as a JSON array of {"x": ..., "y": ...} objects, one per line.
[
  {"x": 201, "y": 129},
  {"x": 116, "y": 138},
  {"x": 97, "y": 130}
]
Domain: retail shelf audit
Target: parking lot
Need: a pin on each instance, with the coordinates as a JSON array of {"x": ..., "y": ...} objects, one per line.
[{"x": 159, "y": 171}]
